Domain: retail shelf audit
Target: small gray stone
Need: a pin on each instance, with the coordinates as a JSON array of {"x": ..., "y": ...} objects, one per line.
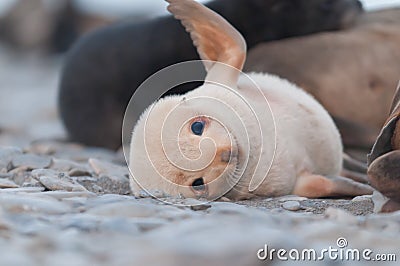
[
  {"x": 113, "y": 171},
  {"x": 68, "y": 165},
  {"x": 362, "y": 198},
  {"x": 227, "y": 208},
  {"x": 5, "y": 183},
  {"x": 43, "y": 147},
  {"x": 291, "y": 198},
  {"x": 53, "y": 180},
  {"x": 113, "y": 186},
  {"x": 6, "y": 175},
  {"x": 126, "y": 209},
  {"x": 79, "y": 172},
  {"x": 147, "y": 224},
  {"x": 196, "y": 205},
  {"x": 291, "y": 205},
  {"x": 23, "y": 190},
  {"x": 201, "y": 207},
  {"x": 31, "y": 182},
  {"x": 6, "y": 155},
  {"x": 72, "y": 194},
  {"x": 341, "y": 216},
  {"x": 30, "y": 161},
  {"x": 20, "y": 203}
]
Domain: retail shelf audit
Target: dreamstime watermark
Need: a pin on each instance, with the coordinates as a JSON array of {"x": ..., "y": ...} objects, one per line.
[
  {"x": 341, "y": 252},
  {"x": 165, "y": 136}
]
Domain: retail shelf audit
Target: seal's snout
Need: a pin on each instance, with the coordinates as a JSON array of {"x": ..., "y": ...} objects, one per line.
[{"x": 225, "y": 155}]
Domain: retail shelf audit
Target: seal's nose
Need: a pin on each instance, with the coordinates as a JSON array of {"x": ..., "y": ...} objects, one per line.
[{"x": 226, "y": 156}]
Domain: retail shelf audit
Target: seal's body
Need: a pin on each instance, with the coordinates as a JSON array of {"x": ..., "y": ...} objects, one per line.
[
  {"x": 307, "y": 139},
  {"x": 347, "y": 71},
  {"x": 237, "y": 135},
  {"x": 104, "y": 68}
]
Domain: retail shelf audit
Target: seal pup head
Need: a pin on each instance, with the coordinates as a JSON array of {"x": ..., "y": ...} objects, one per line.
[{"x": 180, "y": 146}]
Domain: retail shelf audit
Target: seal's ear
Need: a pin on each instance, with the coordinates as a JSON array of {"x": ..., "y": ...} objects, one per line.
[
  {"x": 389, "y": 138},
  {"x": 216, "y": 40}
]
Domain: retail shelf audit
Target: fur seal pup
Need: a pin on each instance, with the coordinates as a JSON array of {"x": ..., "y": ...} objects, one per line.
[
  {"x": 384, "y": 159},
  {"x": 104, "y": 68},
  {"x": 348, "y": 72},
  {"x": 195, "y": 145}
]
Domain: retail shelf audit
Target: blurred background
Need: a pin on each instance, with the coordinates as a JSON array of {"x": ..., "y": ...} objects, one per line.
[{"x": 34, "y": 36}]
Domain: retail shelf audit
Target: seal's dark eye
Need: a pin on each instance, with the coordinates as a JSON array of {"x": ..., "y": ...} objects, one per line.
[
  {"x": 198, "y": 184},
  {"x": 198, "y": 128}
]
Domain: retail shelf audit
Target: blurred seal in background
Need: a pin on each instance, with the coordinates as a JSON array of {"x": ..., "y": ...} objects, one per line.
[
  {"x": 46, "y": 27},
  {"x": 105, "y": 67},
  {"x": 353, "y": 73}
]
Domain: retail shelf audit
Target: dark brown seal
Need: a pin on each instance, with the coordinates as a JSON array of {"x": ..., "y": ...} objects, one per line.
[
  {"x": 104, "y": 68},
  {"x": 384, "y": 159},
  {"x": 353, "y": 73}
]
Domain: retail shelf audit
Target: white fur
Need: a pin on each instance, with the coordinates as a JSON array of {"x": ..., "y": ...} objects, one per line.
[
  {"x": 307, "y": 138},
  {"x": 274, "y": 131}
]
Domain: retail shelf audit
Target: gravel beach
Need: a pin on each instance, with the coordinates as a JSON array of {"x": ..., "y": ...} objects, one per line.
[{"x": 65, "y": 204}]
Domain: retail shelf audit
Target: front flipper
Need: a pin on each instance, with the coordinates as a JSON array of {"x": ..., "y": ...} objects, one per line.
[
  {"x": 384, "y": 174},
  {"x": 318, "y": 186},
  {"x": 391, "y": 206}
]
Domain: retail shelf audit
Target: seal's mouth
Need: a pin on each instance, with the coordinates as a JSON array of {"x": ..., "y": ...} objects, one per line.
[
  {"x": 234, "y": 174},
  {"x": 225, "y": 181}
]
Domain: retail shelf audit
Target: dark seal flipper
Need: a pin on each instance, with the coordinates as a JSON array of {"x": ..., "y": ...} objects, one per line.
[{"x": 384, "y": 159}]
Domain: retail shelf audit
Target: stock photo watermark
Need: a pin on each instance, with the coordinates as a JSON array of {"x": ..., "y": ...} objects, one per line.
[{"x": 340, "y": 252}]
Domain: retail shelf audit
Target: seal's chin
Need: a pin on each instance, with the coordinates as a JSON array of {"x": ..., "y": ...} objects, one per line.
[{"x": 227, "y": 180}]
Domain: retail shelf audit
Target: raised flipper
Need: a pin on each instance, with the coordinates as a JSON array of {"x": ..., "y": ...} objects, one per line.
[
  {"x": 318, "y": 186},
  {"x": 227, "y": 46}
]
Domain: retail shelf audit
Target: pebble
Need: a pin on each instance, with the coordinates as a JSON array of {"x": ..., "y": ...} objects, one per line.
[
  {"x": 341, "y": 216},
  {"x": 73, "y": 168},
  {"x": 23, "y": 190},
  {"x": 70, "y": 151},
  {"x": 15, "y": 203},
  {"x": 291, "y": 205},
  {"x": 53, "y": 180},
  {"x": 291, "y": 198},
  {"x": 133, "y": 208},
  {"x": 6, "y": 155},
  {"x": 30, "y": 161},
  {"x": 196, "y": 205},
  {"x": 362, "y": 198},
  {"x": 79, "y": 172},
  {"x": 113, "y": 171},
  {"x": 31, "y": 182},
  {"x": 5, "y": 183},
  {"x": 65, "y": 195}
]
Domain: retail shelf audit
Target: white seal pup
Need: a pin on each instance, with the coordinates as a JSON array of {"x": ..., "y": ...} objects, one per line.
[{"x": 238, "y": 135}]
